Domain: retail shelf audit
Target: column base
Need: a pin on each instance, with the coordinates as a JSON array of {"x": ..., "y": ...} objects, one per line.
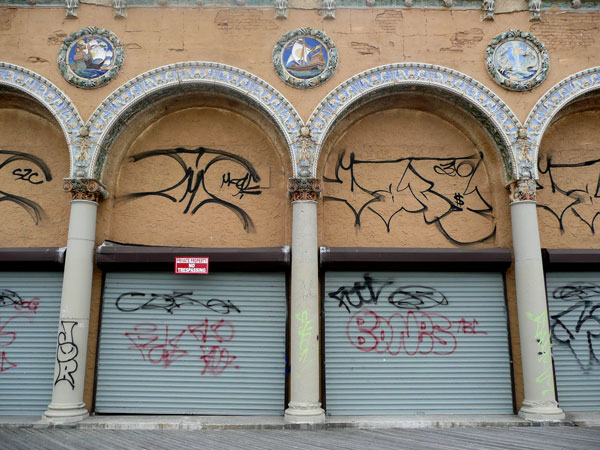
[
  {"x": 304, "y": 413},
  {"x": 541, "y": 411},
  {"x": 66, "y": 414}
]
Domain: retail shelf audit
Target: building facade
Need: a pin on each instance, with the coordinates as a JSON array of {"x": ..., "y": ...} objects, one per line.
[{"x": 397, "y": 200}]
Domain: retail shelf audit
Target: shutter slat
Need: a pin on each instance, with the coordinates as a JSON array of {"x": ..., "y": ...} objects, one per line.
[
  {"x": 473, "y": 378},
  {"x": 577, "y": 340},
  {"x": 132, "y": 380},
  {"x": 27, "y": 362}
]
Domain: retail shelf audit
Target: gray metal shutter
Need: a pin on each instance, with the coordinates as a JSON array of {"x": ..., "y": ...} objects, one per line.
[
  {"x": 574, "y": 306},
  {"x": 192, "y": 344},
  {"x": 29, "y": 310},
  {"x": 415, "y": 342}
]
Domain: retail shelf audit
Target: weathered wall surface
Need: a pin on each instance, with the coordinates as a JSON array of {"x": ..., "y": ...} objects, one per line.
[
  {"x": 406, "y": 178},
  {"x": 245, "y": 38},
  {"x": 202, "y": 177},
  {"x": 568, "y": 192},
  {"x": 33, "y": 160}
]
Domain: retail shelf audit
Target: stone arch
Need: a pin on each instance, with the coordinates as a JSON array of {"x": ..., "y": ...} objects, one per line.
[
  {"x": 552, "y": 102},
  {"x": 487, "y": 107},
  {"x": 107, "y": 120},
  {"x": 42, "y": 91}
]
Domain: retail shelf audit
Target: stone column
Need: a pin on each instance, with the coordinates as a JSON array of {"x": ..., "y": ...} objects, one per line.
[
  {"x": 67, "y": 404},
  {"x": 304, "y": 404},
  {"x": 536, "y": 354}
]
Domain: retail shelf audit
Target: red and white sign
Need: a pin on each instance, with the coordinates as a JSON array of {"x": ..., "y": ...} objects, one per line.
[{"x": 191, "y": 265}]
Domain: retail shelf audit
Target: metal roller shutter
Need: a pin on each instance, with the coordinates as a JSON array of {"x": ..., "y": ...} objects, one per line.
[
  {"x": 188, "y": 344},
  {"x": 574, "y": 306},
  {"x": 29, "y": 311},
  {"x": 415, "y": 342}
]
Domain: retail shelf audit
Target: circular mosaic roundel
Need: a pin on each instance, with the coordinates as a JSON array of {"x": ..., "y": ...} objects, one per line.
[
  {"x": 305, "y": 58},
  {"x": 91, "y": 57},
  {"x": 517, "y": 60}
]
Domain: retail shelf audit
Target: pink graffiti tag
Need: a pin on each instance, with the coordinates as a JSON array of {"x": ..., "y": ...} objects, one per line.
[
  {"x": 216, "y": 359},
  {"x": 220, "y": 331},
  {"x": 5, "y": 364},
  {"x": 411, "y": 333},
  {"x": 144, "y": 337},
  {"x": 25, "y": 309}
]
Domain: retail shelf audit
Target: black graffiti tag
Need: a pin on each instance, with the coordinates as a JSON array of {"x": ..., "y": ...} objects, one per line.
[
  {"x": 569, "y": 190},
  {"x": 196, "y": 193},
  {"x": 66, "y": 353},
  {"x": 417, "y": 187},
  {"x": 369, "y": 290},
  {"x": 134, "y": 301},
  {"x": 28, "y": 175},
  {"x": 360, "y": 293},
  {"x": 584, "y": 311}
]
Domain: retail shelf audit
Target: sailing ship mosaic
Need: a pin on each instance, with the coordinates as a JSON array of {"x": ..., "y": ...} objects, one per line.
[
  {"x": 305, "y": 58},
  {"x": 91, "y": 57},
  {"x": 517, "y": 60}
]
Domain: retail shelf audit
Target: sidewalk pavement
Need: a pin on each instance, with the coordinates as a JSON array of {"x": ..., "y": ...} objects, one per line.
[{"x": 190, "y": 423}]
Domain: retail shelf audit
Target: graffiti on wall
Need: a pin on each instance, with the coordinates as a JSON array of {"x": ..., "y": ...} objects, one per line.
[
  {"x": 208, "y": 177},
  {"x": 66, "y": 353},
  {"x": 134, "y": 301},
  {"x": 305, "y": 335},
  {"x": 27, "y": 169},
  {"x": 542, "y": 337},
  {"x": 368, "y": 291},
  {"x": 567, "y": 190},
  {"x": 578, "y": 323},
  {"x": 410, "y": 332},
  {"x": 12, "y": 307},
  {"x": 160, "y": 346},
  {"x": 445, "y": 192}
]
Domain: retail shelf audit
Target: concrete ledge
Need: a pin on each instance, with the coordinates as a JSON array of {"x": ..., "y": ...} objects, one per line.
[{"x": 191, "y": 423}]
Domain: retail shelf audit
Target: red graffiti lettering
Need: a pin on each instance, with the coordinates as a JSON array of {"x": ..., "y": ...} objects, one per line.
[
  {"x": 220, "y": 331},
  {"x": 216, "y": 359},
  {"x": 157, "y": 348},
  {"x": 7, "y": 338},
  {"x": 410, "y": 333},
  {"x": 144, "y": 337},
  {"x": 468, "y": 326},
  {"x": 28, "y": 305},
  {"x": 4, "y": 362}
]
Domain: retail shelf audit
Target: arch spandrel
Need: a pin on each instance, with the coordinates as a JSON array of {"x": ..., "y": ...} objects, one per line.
[
  {"x": 487, "y": 107},
  {"x": 175, "y": 79},
  {"x": 552, "y": 102},
  {"x": 50, "y": 97}
]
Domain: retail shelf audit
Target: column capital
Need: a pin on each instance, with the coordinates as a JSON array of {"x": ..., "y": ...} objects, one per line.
[
  {"x": 522, "y": 190},
  {"x": 304, "y": 189},
  {"x": 85, "y": 189}
]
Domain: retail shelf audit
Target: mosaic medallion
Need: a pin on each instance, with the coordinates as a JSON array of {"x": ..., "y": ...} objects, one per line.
[
  {"x": 517, "y": 60},
  {"x": 91, "y": 57},
  {"x": 305, "y": 58}
]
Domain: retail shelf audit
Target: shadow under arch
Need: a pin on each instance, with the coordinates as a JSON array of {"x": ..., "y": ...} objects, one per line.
[
  {"x": 562, "y": 94},
  {"x": 14, "y": 78},
  {"x": 105, "y": 124},
  {"x": 489, "y": 110}
]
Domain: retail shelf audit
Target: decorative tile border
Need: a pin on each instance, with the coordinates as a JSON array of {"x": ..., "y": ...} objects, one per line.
[
  {"x": 486, "y": 106},
  {"x": 555, "y": 99},
  {"x": 106, "y": 121},
  {"x": 89, "y": 76},
  {"x": 299, "y": 37},
  {"x": 48, "y": 95},
  {"x": 509, "y": 73}
]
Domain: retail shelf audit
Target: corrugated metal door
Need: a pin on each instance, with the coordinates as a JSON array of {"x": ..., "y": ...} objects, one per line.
[
  {"x": 29, "y": 311},
  {"x": 192, "y": 344},
  {"x": 574, "y": 305},
  {"x": 415, "y": 342}
]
